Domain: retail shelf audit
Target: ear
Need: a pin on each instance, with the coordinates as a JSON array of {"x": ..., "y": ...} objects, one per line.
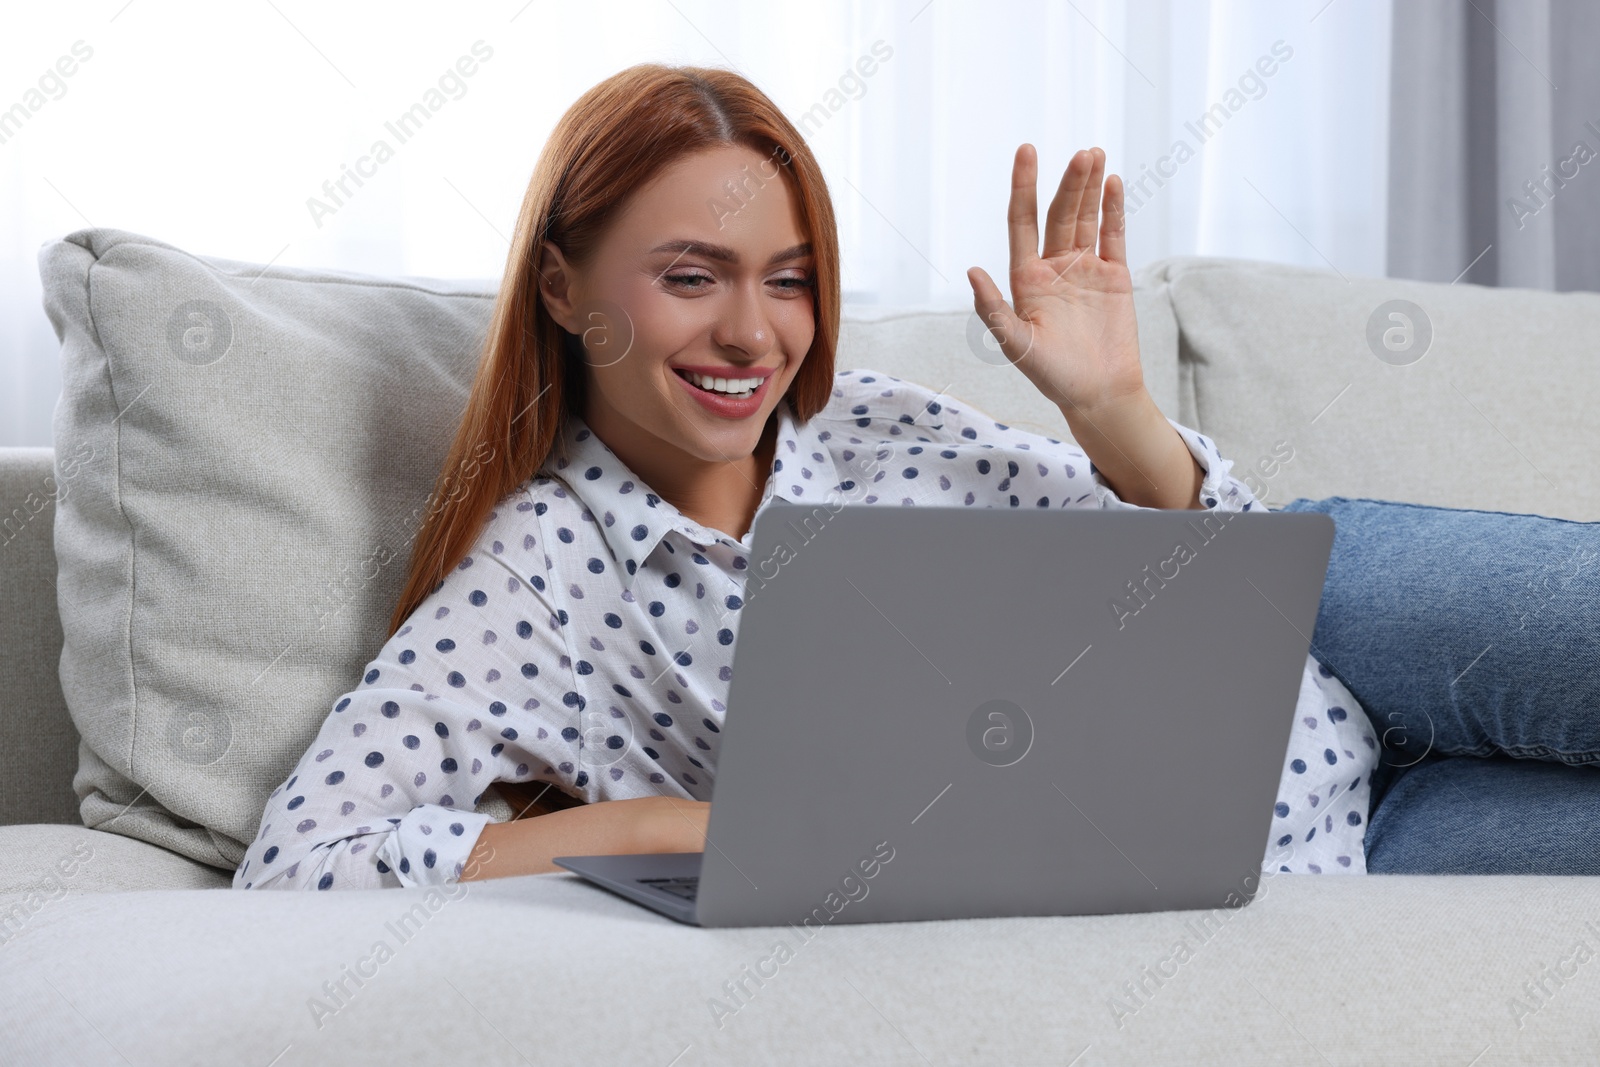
[{"x": 556, "y": 280}]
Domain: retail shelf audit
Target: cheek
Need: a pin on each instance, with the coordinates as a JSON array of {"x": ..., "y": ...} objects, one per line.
[
  {"x": 796, "y": 327},
  {"x": 664, "y": 326},
  {"x": 655, "y": 325}
]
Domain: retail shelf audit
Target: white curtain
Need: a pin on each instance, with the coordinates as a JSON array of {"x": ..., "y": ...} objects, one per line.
[{"x": 212, "y": 127}]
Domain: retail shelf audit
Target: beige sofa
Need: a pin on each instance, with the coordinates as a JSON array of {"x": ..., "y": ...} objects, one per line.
[{"x": 184, "y": 588}]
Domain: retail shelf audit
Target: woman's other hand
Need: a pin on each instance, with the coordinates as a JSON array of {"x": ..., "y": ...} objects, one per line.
[{"x": 609, "y": 828}]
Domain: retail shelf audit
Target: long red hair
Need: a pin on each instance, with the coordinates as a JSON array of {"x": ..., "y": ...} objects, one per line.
[{"x": 611, "y": 141}]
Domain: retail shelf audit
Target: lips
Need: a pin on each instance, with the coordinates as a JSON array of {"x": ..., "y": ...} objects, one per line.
[{"x": 722, "y": 404}]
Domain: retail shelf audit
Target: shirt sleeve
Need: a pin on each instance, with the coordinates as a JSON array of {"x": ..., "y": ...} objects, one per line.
[{"x": 456, "y": 700}]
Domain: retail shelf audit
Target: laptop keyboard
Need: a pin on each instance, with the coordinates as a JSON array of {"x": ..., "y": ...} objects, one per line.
[{"x": 678, "y": 887}]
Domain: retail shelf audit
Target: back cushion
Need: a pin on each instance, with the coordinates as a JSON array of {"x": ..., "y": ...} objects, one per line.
[
  {"x": 1473, "y": 397},
  {"x": 266, "y": 440}
]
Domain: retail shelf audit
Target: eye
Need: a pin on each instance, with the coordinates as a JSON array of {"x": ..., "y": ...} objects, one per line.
[
  {"x": 684, "y": 280},
  {"x": 794, "y": 285}
]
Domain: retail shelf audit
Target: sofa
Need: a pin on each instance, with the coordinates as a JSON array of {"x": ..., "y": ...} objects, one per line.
[{"x": 207, "y": 556}]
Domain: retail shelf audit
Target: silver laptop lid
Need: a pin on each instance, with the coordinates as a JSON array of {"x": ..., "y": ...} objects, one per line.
[{"x": 951, "y": 712}]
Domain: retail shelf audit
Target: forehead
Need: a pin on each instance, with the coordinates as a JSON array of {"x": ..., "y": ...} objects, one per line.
[{"x": 730, "y": 195}]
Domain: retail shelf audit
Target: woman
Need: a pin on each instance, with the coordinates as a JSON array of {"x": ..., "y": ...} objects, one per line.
[{"x": 659, "y": 366}]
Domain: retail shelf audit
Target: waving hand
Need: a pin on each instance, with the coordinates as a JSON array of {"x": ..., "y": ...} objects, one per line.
[{"x": 1071, "y": 329}]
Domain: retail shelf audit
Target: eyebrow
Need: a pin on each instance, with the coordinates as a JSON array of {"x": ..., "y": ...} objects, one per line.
[{"x": 726, "y": 254}]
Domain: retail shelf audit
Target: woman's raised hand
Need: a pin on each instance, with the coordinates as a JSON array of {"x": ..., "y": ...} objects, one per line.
[
  {"x": 1073, "y": 333},
  {"x": 1071, "y": 330}
]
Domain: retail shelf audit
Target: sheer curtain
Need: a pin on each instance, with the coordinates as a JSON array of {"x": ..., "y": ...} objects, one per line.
[{"x": 222, "y": 130}]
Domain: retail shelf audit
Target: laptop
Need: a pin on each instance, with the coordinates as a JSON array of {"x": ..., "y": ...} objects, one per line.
[{"x": 946, "y": 713}]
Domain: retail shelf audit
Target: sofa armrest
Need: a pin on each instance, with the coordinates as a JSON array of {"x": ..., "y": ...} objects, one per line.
[{"x": 39, "y": 751}]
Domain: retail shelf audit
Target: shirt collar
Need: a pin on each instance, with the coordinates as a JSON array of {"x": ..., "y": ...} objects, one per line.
[{"x": 633, "y": 520}]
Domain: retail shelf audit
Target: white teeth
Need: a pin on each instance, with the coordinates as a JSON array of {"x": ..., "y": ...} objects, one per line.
[{"x": 735, "y": 387}]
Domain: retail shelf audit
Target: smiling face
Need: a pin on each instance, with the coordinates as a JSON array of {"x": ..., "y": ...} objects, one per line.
[{"x": 704, "y": 271}]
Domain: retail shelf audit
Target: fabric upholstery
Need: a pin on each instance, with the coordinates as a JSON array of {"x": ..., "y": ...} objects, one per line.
[
  {"x": 55, "y": 861},
  {"x": 35, "y": 773},
  {"x": 269, "y": 439},
  {"x": 544, "y": 969},
  {"x": 1497, "y": 414}
]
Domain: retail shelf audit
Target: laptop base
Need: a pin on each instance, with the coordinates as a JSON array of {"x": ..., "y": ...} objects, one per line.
[{"x": 666, "y": 882}]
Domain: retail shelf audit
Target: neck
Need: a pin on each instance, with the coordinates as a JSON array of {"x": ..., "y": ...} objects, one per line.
[{"x": 721, "y": 495}]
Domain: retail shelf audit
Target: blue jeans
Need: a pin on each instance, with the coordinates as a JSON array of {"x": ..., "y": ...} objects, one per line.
[{"x": 1472, "y": 641}]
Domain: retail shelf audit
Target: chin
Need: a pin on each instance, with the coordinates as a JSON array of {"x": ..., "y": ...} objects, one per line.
[{"x": 743, "y": 438}]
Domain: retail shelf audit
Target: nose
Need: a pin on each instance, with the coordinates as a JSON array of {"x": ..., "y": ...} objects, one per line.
[{"x": 742, "y": 322}]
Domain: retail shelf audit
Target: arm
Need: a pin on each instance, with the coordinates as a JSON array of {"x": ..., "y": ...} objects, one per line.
[
  {"x": 1073, "y": 332},
  {"x": 346, "y": 819},
  {"x": 477, "y": 689},
  {"x": 470, "y": 692},
  {"x": 1139, "y": 454},
  {"x": 1060, "y": 473}
]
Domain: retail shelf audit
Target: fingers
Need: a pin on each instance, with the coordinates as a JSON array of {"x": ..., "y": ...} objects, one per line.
[
  {"x": 1013, "y": 336},
  {"x": 1114, "y": 228},
  {"x": 986, "y": 299},
  {"x": 1089, "y": 203},
  {"x": 1086, "y": 205},
  {"x": 1074, "y": 215},
  {"x": 1022, "y": 213},
  {"x": 1061, "y": 222}
]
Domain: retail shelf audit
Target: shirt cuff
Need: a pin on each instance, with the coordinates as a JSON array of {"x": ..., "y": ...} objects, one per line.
[{"x": 430, "y": 845}]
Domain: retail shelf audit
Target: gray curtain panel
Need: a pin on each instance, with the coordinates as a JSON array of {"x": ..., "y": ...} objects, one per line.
[{"x": 1494, "y": 143}]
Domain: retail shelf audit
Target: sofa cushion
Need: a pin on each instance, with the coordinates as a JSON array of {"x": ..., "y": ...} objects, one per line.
[
  {"x": 1476, "y": 398},
  {"x": 267, "y": 438},
  {"x": 45, "y": 863},
  {"x": 1388, "y": 970}
]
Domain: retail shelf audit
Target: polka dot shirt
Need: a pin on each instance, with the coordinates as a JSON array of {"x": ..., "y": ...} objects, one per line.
[{"x": 586, "y": 641}]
